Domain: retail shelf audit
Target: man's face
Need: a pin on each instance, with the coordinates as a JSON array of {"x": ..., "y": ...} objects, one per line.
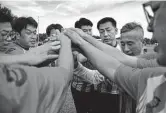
[
  {"x": 107, "y": 32},
  {"x": 158, "y": 27},
  {"x": 5, "y": 33},
  {"x": 28, "y": 37},
  {"x": 131, "y": 42},
  {"x": 54, "y": 32},
  {"x": 87, "y": 29}
]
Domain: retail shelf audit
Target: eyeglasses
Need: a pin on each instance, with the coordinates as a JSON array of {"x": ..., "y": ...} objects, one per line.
[
  {"x": 149, "y": 14},
  {"x": 7, "y": 34}
]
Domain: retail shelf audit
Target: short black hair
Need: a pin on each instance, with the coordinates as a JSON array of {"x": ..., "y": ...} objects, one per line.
[
  {"x": 106, "y": 19},
  {"x": 83, "y": 22},
  {"x": 22, "y": 22},
  {"x": 130, "y": 26},
  {"x": 5, "y": 16},
  {"x": 53, "y": 26}
]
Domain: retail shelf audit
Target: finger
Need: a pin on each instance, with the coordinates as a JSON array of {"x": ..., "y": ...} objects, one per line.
[
  {"x": 55, "y": 47},
  {"x": 77, "y": 30},
  {"x": 52, "y": 56},
  {"x": 55, "y": 43},
  {"x": 75, "y": 52},
  {"x": 68, "y": 33},
  {"x": 74, "y": 29}
]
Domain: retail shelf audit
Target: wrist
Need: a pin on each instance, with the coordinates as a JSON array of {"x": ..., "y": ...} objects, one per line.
[
  {"x": 83, "y": 43},
  {"x": 22, "y": 59},
  {"x": 66, "y": 44}
]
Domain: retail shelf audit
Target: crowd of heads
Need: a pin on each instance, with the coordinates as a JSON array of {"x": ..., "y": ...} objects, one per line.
[{"x": 24, "y": 31}]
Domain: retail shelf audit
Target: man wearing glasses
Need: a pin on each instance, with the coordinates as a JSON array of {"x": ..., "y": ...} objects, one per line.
[
  {"x": 146, "y": 85},
  {"x": 25, "y": 28},
  {"x": 5, "y": 31}
]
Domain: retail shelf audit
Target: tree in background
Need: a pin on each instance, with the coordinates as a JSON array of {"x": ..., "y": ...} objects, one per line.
[{"x": 7, "y": 11}]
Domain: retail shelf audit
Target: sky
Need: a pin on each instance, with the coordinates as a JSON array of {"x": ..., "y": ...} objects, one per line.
[{"x": 67, "y": 12}]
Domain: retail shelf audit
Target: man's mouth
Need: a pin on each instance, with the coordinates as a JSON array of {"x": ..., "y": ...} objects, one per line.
[
  {"x": 106, "y": 40},
  {"x": 33, "y": 42},
  {"x": 129, "y": 53}
]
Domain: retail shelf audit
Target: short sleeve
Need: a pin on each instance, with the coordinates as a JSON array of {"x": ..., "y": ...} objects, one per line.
[
  {"x": 127, "y": 78},
  {"x": 54, "y": 84},
  {"x": 144, "y": 63},
  {"x": 32, "y": 89},
  {"x": 148, "y": 56},
  {"x": 90, "y": 76}
]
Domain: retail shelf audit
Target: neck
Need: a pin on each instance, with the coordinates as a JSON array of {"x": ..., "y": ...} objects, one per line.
[
  {"x": 114, "y": 43},
  {"x": 19, "y": 44}
]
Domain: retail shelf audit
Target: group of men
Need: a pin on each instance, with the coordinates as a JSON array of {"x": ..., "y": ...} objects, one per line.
[{"x": 104, "y": 78}]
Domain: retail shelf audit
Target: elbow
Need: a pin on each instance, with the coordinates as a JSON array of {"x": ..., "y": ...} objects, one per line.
[{"x": 69, "y": 74}]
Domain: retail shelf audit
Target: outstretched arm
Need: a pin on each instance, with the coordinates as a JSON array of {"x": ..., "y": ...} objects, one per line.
[
  {"x": 117, "y": 54},
  {"x": 66, "y": 57},
  {"x": 34, "y": 56},
  {"x": 91, "y": 76},
  {"x": 106, "y": 64}
]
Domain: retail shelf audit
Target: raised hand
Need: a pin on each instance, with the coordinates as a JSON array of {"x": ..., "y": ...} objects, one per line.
[
  {"x": 40, "y": 54},
  {"x": 80, "y": 32},
  {"x": 74, "y": 36},
  {"x": 64, "y": 39}
]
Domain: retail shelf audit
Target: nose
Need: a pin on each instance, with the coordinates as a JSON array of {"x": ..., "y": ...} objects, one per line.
[
  {"x": 105, "y": 34},
  {"x": 126, "y": 48},
  {"x": 89, "y": 33},
  {"x": 34, "y": 36}
]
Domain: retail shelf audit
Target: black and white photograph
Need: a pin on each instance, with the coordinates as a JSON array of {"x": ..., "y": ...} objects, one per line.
[{"x": 82, "y": 56}]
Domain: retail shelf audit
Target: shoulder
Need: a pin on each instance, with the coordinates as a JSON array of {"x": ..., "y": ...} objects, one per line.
[
  {"x": 145, "y": 63},
  {"x": 148, "y": 71},
  {"x": 148, "y": 56},
  {"x": 14, "y": 49}
]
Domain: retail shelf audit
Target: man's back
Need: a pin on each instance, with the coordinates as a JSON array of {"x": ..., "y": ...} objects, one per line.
[{"x": 32, "y": 90}]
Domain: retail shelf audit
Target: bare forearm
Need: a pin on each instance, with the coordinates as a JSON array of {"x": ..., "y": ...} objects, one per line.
[
  {"x": 12, "y": 59},
  {"x": 66, "y": 58},
  {"x": 125, "y": 59},
  {"x": 91, "y": 76},
  {"x": 105, "y": 64}
]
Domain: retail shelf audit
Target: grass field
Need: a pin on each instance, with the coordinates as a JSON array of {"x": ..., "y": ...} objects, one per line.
[{"x": 68, "y": 106}]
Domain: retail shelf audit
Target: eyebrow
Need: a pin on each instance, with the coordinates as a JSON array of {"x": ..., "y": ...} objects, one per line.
[
  {"x": 108, "y": 28},
  {"x": 6, "y": 30},
  {"x": 130, "y": 42},
  {"x": 105, "y": 28},
  {"x": 30, "y": 30}
]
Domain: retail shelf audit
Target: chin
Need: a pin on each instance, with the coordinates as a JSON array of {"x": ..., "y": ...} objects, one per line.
[
  {"x": 161, "y": 61},
  {"x": 130, "y": 54}
]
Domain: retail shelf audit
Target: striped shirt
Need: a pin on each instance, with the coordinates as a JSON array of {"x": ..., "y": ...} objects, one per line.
[
  {"x": 82, "y": 85},
  {"x": 93, "y": 77}
]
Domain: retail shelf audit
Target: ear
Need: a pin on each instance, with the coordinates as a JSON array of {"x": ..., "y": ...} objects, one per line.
[
  {"x": 62, "y": 29},
  {"x": 116, "y": 31},
  {"x": 17, "y": 35}
]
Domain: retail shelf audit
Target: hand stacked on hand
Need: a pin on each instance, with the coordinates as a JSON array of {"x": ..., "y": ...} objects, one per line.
[
  {"x": 49, "y": 50},
  {"x": 41, "y": 53}
]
